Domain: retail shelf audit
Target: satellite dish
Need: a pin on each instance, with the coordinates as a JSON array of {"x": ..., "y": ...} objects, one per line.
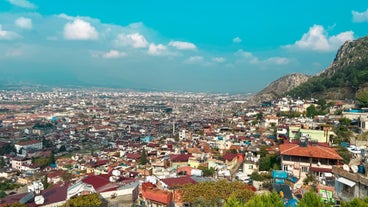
[
  {"x": 354, "y": 168},
  {"x": 346, "y": 167},
  {"x": 39, "y": 200}
]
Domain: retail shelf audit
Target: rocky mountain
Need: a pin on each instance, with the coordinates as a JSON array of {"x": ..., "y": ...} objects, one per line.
[
  {"x": 280, "y": 86},
  {"x": 347, "y": 75},
  {"x": 350, "y": 53}
]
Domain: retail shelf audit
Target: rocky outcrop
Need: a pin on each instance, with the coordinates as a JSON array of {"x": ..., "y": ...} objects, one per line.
[
  {"x": 349, "y": 53},
  {"x": 280, "y": 87}
]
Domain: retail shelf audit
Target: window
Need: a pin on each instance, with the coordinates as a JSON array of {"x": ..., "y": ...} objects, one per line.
[
  {"x": 285, "y": 168},
  {"x": 304, "y": 169},
  {"x": 250, "y": 167}
]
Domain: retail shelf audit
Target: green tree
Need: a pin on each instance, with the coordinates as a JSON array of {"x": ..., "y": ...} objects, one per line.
[
  {"x": 265, "y": 200},
  {"x": 259, "y": 116},
  {"x": 62, "y": 148},
  {"x": 2, "y": 194},
  {"x": 91, "y": 200},
  {"x": 356, "y": 202},
  {"x": 51, "y": 159},
  {"x": 362, "y": 97},
  {"x": 269, "y": 162},
  {"x": 311, "y": 199},
  {"x": 44, "y": 182},
  {"x": 16, "y": 205},
  {"x": 207, "y": 172},
  {"x": 143, "y": 159},
  {"x": 311, "y": 111},
  {"x": 213, "y": 193},
  {"x": 232, "y": 201},
  {"x": 344, "y": 153},
  {"x": 342, "y": 131}
]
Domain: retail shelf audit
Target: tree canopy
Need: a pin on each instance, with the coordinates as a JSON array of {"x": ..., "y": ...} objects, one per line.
[
  {"x": 265, "y": 200},
  {"x": 214, "y": 193}
]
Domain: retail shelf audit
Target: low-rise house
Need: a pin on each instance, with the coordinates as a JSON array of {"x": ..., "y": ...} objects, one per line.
[
  {"x": 178, "y": 160},
  {"x": 348, "y": 184},
  {"x": 18, "y": 162},
  {"x": 300, "y": 159}
]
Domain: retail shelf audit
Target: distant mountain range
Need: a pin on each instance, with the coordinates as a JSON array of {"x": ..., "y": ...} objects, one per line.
[{"x": 347, "y": 74}]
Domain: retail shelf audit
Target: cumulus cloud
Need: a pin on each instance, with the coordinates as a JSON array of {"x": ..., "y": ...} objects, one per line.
[
  {"x": 360, "y": 16},
  {"x": 135, "y": 40},
  {"x": 80, "y": 30},
  {"x": 8, "y": 35},
  {"x": 24, "y": 23},
  {"x": 65, "y": 16},
  {"x": 23, "y": 3},
  {"x": 182, "y": 45},
  {"x": 237, "y": 40},
  {"x": 248, "y": 56},
  {"x": 218, "y": 59},
  {"x": 277, "y": 61},
  {"x": 317, "y": 39},
  {"x": 252, "y": 59},
  {"x": 154, "y": 49},
  {"x": 113, "y": 54}
]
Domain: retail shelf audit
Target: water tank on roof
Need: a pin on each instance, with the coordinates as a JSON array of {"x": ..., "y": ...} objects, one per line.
[{"x": 361, "y": 169}]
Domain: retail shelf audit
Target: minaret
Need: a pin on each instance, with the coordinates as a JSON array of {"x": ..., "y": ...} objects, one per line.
[{"x": 173, "y": 128}]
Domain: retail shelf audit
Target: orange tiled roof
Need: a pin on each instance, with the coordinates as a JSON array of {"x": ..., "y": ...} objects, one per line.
[{"x": 313, "y": 151}]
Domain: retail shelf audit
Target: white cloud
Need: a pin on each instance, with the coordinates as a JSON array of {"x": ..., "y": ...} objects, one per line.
[
  {"x": 277, "y": 61},
  {"x": 65, "y": 16},
  {"x": 218, "y": 59},
  {"x": 113, "y": 54},
  {"x": 248, "y": 56},
  {"x": 317, "y": 39},
  {"x": 360, "y": 16},
  {"x": 23, "y": 3},
  {"x": 25, "y": 23},
  {"x": 135, "y": 40},
  {"x": 80, "y": 30},
  {"x": 154, "y": 49},
  {"x": 8, "y": 35},
  {"x": 194, "y": 59},
  {"x": 182, "y": 45},
  {"x": 237, "y": 40}
]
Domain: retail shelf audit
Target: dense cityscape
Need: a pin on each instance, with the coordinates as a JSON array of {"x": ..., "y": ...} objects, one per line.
[
  {"x": 132, "y": 148},
  {"x": 183, "y": 104}
]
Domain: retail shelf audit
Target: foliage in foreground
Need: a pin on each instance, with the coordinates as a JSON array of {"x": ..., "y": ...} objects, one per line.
[
  {"x": 214, "y": 193},
  {"x": 265, "y": 200},
  {"x": 91, "y": 200}
]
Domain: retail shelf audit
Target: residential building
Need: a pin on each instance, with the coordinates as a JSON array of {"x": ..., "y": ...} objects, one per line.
[{"x": 299, "y": 159}]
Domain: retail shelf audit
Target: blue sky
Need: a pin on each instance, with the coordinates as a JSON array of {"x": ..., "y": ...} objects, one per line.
[{"x": 207, "y": 46}]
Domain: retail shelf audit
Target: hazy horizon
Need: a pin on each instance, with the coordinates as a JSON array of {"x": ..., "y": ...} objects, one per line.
[{"x": 233, "y": 47}]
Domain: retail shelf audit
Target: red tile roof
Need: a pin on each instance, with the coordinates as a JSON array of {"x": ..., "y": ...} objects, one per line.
[
  {"x": 313, "y": 151},
  {"x": 171, "y": 182},
  {"x": 101, "y": 183},
  {"x": 180, "y": 157},
  {"x": 229, "y": 156},
  {"x": 151, "y": 192}
]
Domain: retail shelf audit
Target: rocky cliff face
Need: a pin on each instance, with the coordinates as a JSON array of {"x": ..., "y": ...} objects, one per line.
[
  {"x": 280, "y": 86},
  {"x": 349, "y": 53}
]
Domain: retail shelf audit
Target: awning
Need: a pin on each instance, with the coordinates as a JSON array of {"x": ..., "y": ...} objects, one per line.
[{"x": 346, "y": 181}]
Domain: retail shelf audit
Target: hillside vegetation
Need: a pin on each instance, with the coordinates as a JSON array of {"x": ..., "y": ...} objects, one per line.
[{"x": 343, "y": 78}]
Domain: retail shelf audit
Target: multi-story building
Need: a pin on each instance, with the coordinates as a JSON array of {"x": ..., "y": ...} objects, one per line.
[
  {"x": 29, "y": 145},
  {"x": 300, "y": 159}
]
